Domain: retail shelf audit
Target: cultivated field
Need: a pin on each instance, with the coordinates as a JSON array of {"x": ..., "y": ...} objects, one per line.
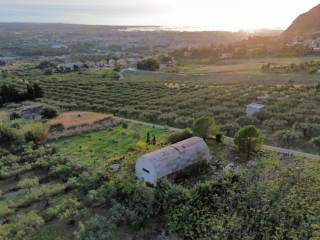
[
  {"x": 119, "y": 144},
  {"x": 76, "y": 119},
  {"x": 221, "y": 91},
  {"x": 83, "y": 186}
]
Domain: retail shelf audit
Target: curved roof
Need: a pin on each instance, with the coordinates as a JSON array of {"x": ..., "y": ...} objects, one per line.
[{"x": 176, "y": 157}]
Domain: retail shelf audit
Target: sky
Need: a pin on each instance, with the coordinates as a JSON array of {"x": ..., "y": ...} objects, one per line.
[{"x": 231, "y": 15}]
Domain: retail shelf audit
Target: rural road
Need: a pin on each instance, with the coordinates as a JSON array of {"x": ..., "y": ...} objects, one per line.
[{"x": 229, "y": 140}]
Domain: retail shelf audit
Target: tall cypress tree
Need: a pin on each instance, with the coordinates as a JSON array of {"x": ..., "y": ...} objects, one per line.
[
  {"x": 30, "y": 92},
  {"x": 38, "y": 93},
  {"x": 148, "y": 138}
]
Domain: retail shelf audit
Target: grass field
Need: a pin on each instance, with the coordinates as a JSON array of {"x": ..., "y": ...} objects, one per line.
[
  {"x": 111, "y": 144},
  {"x": 246, "y": 71}
]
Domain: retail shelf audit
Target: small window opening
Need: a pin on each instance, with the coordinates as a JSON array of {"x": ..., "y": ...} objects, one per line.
[{"x": 145, "y": 170}]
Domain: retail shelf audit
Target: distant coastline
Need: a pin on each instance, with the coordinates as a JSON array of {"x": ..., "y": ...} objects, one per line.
[{"x": 150, "y": 28}]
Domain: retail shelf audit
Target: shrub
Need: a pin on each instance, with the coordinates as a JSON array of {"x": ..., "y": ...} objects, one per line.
[
  {"x": 148, "y": 65},
  {"x": 205, "y": 127},
  {"x": 14, "y": 116},
  {"x": 136, "y": 198},
  {"x": 46, "y": 65},
  {"x": 308, "y": 130},
  {"x": 316, "y": 141},
  {"x": 5, "y": 210},
  {"x": 49, "y": 112},
  {"x": 248, "y": 139},
  {"x": 287, "y": 137},
  {"x": 167, "y": 118},
  {"x": 124, "y": 125},
  {"x": 180, "y": 136},
  {"x": 8, "y": 134},
  {"x": 28, "y": 183},
  {"x": 67, "y": 209},
  {"x": 22, "y": 226},
  {"x": 245, "y": 121},
  {"x": 101, "y": 227},
  {"x": 48, "y": 72},
  {"x": 36, "y": 132},
  {"x": 59, "y": 127},
  {"x": 230, "y": 129}
]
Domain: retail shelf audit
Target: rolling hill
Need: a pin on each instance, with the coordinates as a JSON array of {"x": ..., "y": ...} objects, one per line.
[{"x": 307, "y": 24}]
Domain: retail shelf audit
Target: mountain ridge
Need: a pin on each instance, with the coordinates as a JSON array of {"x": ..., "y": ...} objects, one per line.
[{"x": 305, "y": 24}]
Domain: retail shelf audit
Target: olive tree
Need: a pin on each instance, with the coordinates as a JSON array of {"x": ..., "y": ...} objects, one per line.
[
  {"x": 22, "y": 226},
  {"x": 288, "y": 137},
  {"x": 230, "y": 129},
  {"x": 248, "y": 140},
  {"x": 316, "y": 141},
  {"x": 205, "y": 127},
  {"x": 28, "y": 183}
]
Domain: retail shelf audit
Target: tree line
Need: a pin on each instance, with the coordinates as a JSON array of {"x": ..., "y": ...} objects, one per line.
[{"x": 9, "y": 93}]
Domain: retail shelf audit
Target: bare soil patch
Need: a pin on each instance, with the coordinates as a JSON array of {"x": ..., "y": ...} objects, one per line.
[{"x": 77, "y": 119}]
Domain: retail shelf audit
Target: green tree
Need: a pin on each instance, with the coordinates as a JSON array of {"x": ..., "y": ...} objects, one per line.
[
  {"x": 248, "y": 139},
  {"x": 66, "y": 210},
  {"x": 287, "y": 137},
  {"x": 148, "y": 138},
  {"x": 8, "y": 134},
  {"x": 148, "y": 65},
  {"x": 316, "y": 141},
  {"x": 205, "y": 127},
  {"x": 36, "y": 132},
  {"x": 46, "y": 65},
  {"x": 154, "y": 140},
  {"x": 230, "y": 129},
  {"x": 28, "y": 183},
  {"x": 179, "y": 136},
  {"x": 49, "y": 112},
  {"x": 22, "y": 227},
  {"x": 38, "y": 92},
  {"x": 48, "y": 72},
  {"x": 30, "y": 92}
]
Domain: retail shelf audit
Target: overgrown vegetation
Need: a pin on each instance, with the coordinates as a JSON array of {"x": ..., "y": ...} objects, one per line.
[
  {"x": 282, "y": 199},
  {"x": 309, "y": 67},
  {"x": 19, "y": 132},
  {"x": 269, "y": 201},
  {"x": 84, "y": 186}
]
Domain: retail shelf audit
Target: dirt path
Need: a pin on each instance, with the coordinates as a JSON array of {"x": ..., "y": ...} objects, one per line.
[{"x": 229, "y": 140}]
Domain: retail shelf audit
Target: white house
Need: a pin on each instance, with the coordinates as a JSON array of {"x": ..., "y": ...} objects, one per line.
[
  {"x": 316, "y": 49},
  {"x": 254, "y": 108},
  {"x": 112, "y": 63},
  {"x": 122, "y": 62},
  {"x": 58, "y": 45},
  {"x": 166, "y": 161}
]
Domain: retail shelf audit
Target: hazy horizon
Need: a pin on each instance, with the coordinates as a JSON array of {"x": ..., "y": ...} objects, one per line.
[{"x": 229, "y": 15}]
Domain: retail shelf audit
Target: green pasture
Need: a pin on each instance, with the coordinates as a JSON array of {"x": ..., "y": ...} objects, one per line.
[{"x": 118, "y": 142}]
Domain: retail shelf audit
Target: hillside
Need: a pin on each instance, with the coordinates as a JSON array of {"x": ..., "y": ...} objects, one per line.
[{"x": 306, "y": 24}]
